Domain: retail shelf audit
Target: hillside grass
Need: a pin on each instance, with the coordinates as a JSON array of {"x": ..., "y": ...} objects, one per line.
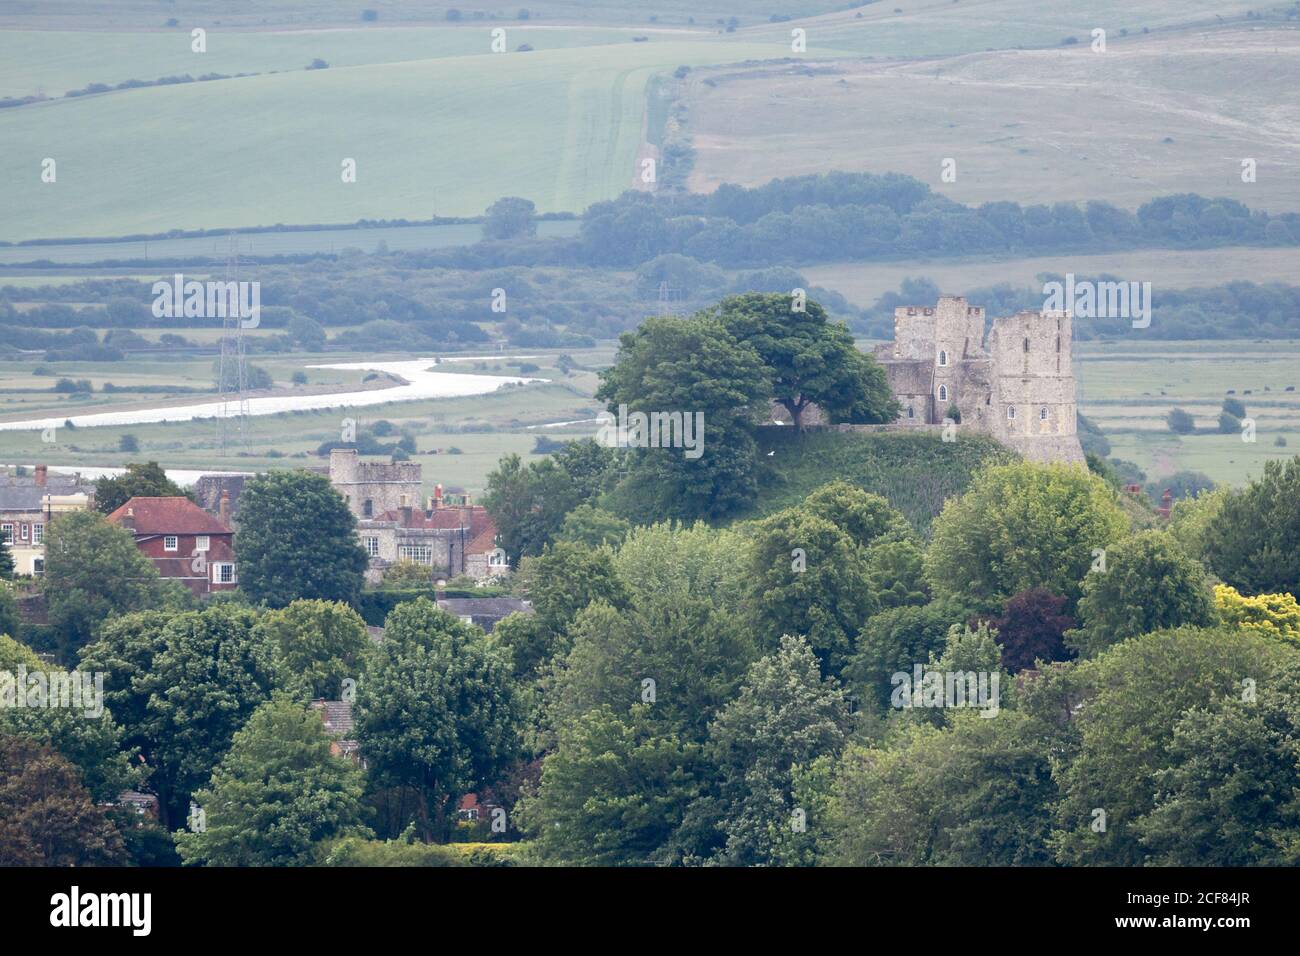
[
  {"x": 917, "y": 473},
  {"x": 1155, "y": 114},
  {"x": 446, "y": 136}
]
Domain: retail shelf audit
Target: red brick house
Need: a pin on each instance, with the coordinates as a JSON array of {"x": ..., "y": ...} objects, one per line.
[{"x": 184, "y": 542}]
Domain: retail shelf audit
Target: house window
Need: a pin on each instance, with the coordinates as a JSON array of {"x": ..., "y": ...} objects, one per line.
[
  {"x": 372, "y": 547},
  {"x": 496, "y": 559},
  {"x": 202, "y": 543},
  {"x": 468, "y": 813},
  {"x": 38, "y": 565},
  {"x": 170, "y": 542},
  {"x": 24, "y": 531},
  {"x": 1011, "y": 411},
  {"x": 943, "y": 393},
  {"x": 419, "y": 553},
  {"x": 223, "y": 572},
  {"x": 38, "y": 533},
  {"x": 368, "y": 509},
  {"x": 7, "y": 532},
  {"x": 943, "y": 357},
  {"x": 1042, "y": 414}
]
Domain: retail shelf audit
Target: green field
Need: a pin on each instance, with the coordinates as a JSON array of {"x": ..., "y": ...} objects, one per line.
[
  {"x": 862, "y": 283},
  {"x": 1165, "y": 113},
  {"x": 53, "y": 62},
  {"x": 561, "y": 127},
  {"x": 1127, "y": 388},
  {"x": 438, "y": 123}
]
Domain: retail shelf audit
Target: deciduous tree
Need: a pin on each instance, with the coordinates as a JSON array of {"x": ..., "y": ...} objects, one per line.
[
  {"x": 276, "y": 794},
  {"x": 297, "y": 539}
]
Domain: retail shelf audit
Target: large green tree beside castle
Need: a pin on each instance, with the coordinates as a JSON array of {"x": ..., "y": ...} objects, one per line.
[
  {"x": 690, "y": 366},
  {"x": 810, "y": 359}
]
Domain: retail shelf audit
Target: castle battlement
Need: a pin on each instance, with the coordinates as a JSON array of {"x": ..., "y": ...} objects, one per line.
[{"x": 1012, "y": 379}]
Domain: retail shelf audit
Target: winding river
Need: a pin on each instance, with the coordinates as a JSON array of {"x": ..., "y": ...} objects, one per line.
[{"x": 422, "y": 382}]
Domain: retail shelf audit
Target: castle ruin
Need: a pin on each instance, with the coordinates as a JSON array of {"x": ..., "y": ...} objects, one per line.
[{"x": 1013, "y": 381}]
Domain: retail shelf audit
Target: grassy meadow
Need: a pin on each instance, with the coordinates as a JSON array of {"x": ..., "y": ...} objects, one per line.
[
  {"x": 1165, "y": 113},
  {"x": 446, "y": 136},
  {"x": 1129, "y": 387}
]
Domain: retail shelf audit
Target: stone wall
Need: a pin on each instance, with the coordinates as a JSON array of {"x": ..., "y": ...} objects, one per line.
[
  {"x": 373, "y": 487},
  {"x": 1015, "y": 382}
]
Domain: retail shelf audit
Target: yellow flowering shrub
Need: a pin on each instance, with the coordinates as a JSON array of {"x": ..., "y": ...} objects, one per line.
[{"x": 1275, "y": 615}]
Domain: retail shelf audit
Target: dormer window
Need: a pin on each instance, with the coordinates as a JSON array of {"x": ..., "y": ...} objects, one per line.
[{"x": 943, "y": 358}]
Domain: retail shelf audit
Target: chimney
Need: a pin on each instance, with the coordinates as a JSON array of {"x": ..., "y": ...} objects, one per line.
[
  {"x": 223, "y": 507},
  {"x": 437, "y": 496},
  {"x": 41, "y": 474},
  {"x": 128, "y": 519}
]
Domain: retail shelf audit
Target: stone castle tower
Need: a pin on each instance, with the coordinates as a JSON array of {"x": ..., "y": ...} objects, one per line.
[
  {"x": 373, "y": 487},
  {"x": 1014, "y": 381}
]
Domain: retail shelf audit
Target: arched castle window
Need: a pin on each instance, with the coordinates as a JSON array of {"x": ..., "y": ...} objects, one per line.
[
  {"x": 943, "y": 357},
  {"x": 1026, "y": 345},
  {"x": 1058, "y": 343},
  {"x": 1011, "y": 411},
  {"x": 943, "y": 393},
  {"x": 910, "y": 412},
  {"x": 1042, "y": 414}
]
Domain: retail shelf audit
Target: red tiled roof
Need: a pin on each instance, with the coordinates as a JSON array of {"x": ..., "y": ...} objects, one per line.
[
  {"x": 167, "y": 516},
  {"x": 482, "y": 531},
  {"x": 485, "y": 540}
]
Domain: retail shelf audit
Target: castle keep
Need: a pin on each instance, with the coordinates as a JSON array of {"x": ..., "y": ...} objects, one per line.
[{"x": 1014, "y": 381}]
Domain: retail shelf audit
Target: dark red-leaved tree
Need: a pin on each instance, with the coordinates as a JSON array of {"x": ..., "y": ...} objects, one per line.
[{"x": 1030, "y": 629}]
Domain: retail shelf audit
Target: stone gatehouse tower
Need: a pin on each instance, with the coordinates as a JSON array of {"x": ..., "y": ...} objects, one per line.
[
  {"x": 373, "y": 487},
  {"x": 1013, "y": 381}
]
